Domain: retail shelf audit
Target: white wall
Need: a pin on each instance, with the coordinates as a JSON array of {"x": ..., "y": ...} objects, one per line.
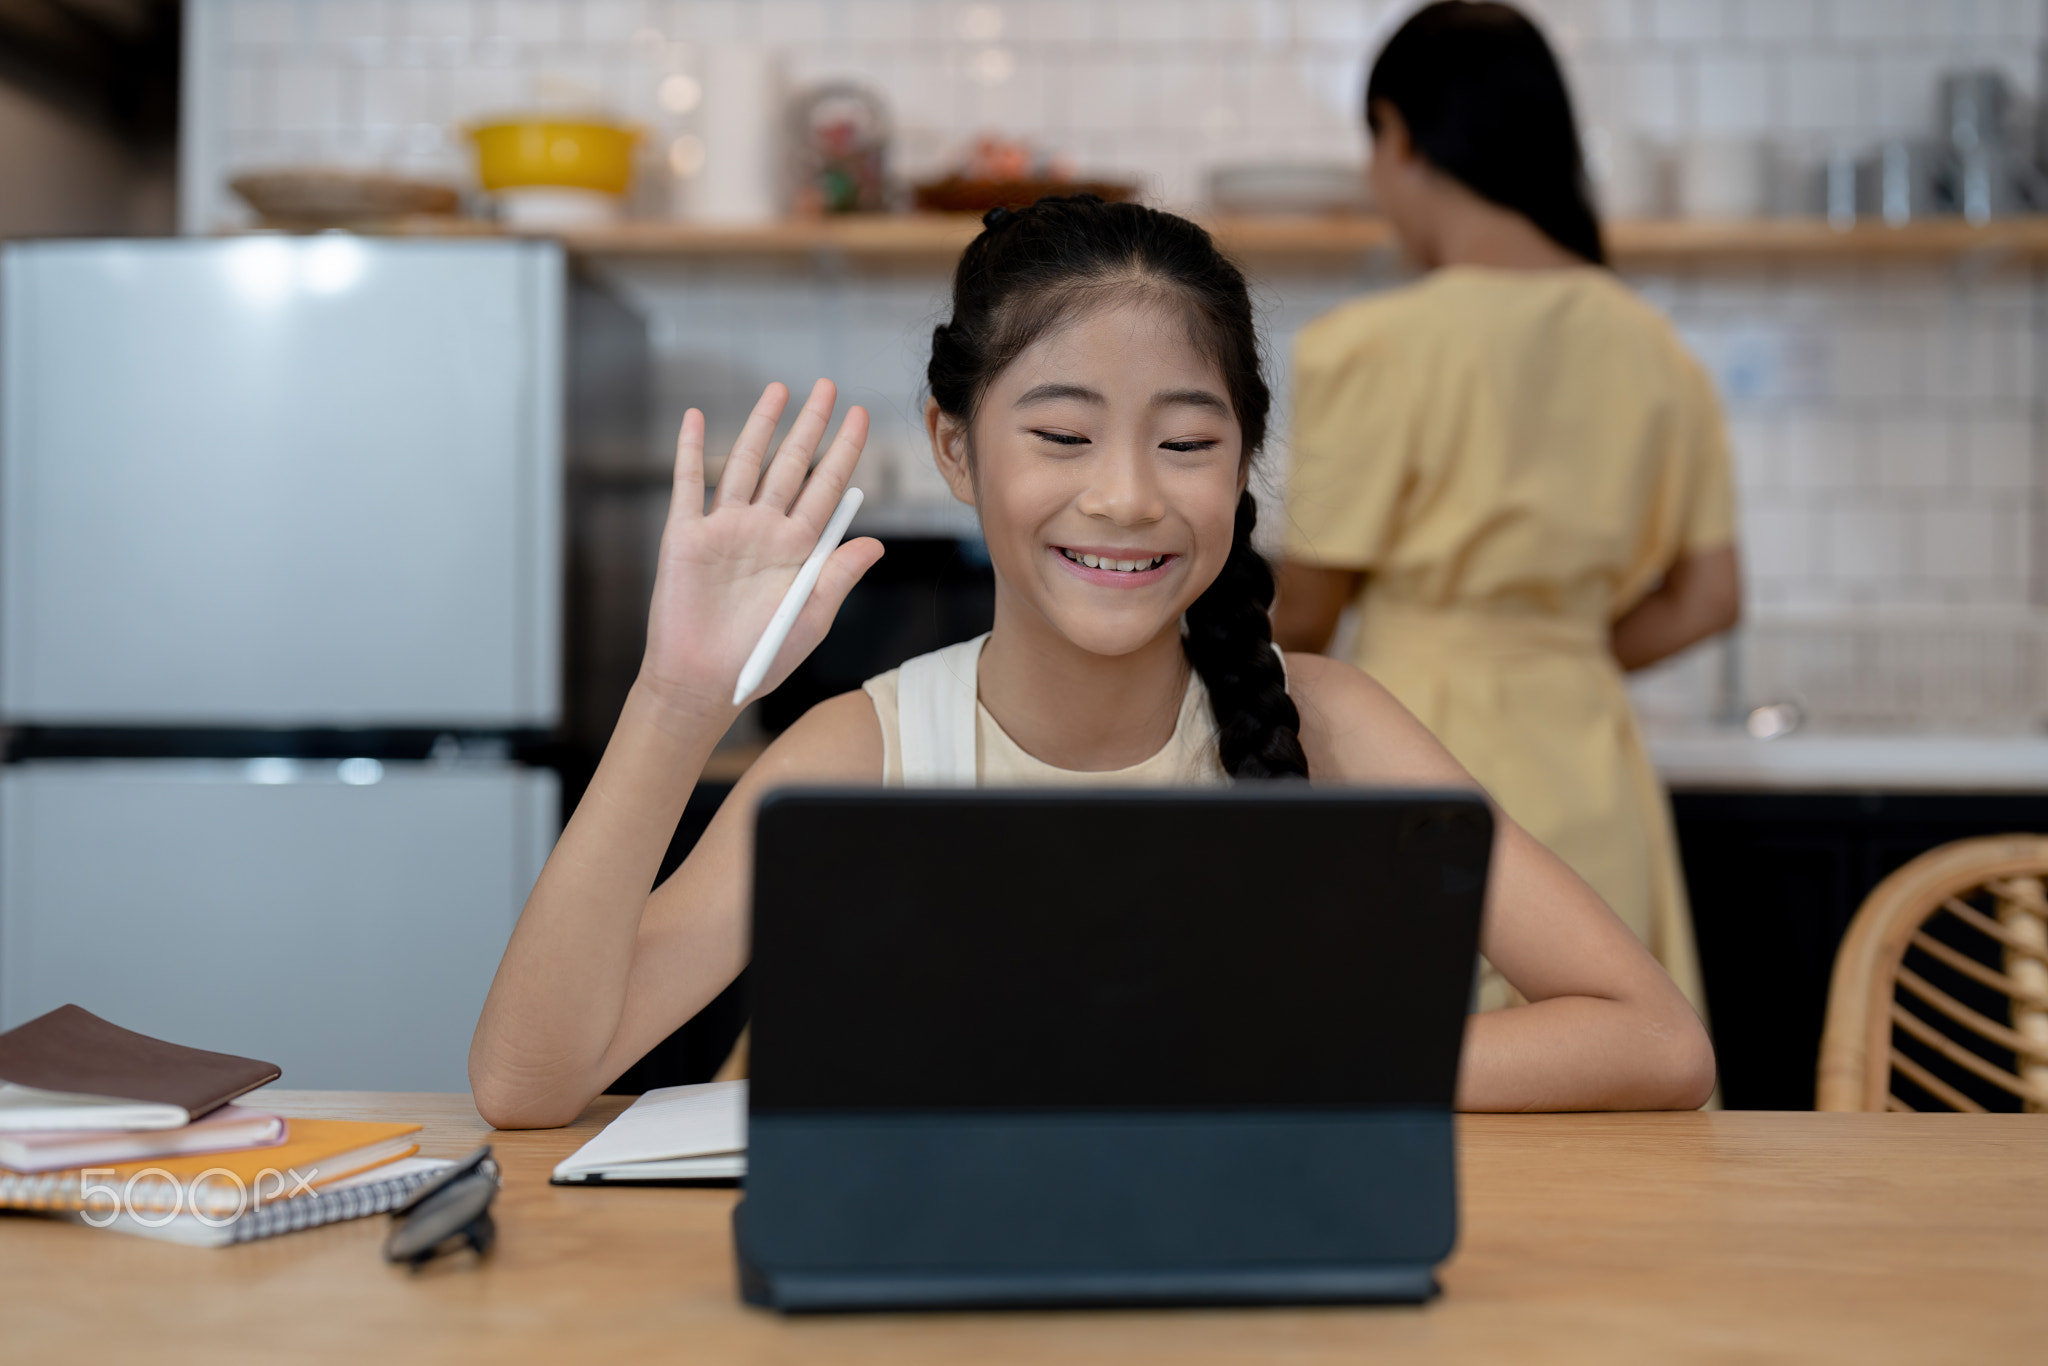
[{"x": 1887, "y": 419}]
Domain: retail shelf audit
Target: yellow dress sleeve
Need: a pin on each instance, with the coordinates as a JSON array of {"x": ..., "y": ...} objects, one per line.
[
  {"x": 1354, "y": 425},
  {"x": 1708, "y": 521}
]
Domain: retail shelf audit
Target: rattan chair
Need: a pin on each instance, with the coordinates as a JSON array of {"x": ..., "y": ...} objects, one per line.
[{"x": 1940, "y": 988}]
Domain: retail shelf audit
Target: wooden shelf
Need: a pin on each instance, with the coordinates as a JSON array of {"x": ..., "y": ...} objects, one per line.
[
  {"x": 930, "y": 239},
  {"x": 1814, "y": 240},
  {"x": 870, "y": 237}
]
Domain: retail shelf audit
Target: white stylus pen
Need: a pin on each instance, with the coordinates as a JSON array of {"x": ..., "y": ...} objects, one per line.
[{"x": 793, "y": 601}]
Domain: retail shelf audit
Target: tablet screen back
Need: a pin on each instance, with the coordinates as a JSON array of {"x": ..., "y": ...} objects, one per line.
[{"x": 1285, "y": 947}]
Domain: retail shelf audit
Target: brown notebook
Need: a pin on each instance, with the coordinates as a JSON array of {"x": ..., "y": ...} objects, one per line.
[{"x": 71, "y": 1059}]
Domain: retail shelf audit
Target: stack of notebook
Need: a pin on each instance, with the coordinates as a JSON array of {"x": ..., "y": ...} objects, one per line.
[{"x": 114, "y": 1129}]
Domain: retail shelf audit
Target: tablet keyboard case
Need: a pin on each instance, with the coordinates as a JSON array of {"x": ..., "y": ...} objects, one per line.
[{"x": 1028, "y": 1098}]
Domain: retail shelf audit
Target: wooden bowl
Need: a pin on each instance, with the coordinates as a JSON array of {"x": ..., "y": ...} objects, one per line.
[{"x": 316, "y": 197}]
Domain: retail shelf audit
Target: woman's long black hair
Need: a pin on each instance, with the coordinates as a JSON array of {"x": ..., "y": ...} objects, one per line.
[
  {"x": 1034, "y": 269},
  {"x": 1486, "y": 104}
]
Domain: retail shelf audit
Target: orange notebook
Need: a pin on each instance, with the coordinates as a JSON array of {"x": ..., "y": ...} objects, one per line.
[{"x": 315, "y": 1152}]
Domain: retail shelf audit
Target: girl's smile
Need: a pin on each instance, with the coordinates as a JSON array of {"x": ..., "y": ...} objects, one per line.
[{"x": 1115, "y": 568}]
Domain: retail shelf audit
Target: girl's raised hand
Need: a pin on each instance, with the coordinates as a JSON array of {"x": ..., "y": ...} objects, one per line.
[{"x": 723, "y": 572}]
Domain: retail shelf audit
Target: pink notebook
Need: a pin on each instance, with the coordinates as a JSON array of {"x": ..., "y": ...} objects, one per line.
[{"x": 230, "y": 1128}]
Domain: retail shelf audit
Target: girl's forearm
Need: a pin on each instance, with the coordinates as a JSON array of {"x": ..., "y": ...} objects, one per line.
[
  {"x": 1581, "y": 1053},
  {"x": 556, "y": 1002}
]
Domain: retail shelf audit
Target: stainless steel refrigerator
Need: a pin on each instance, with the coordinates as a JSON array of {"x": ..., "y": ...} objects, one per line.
[{"x": 280, "y": 599}]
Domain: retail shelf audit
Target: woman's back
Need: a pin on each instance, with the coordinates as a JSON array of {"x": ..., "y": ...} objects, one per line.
[
  {"x": 1515, "y": 458},
  {"x": 1517, "y": 441}
]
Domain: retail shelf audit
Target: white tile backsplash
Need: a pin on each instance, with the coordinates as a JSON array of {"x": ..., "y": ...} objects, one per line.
[
  {"x": 1998, "y": 456},
  {"x": 1899, "y": 95},
  {"x": 1151, "y": 23},
  {"x": 447, "y": 18},
  {"x": 1804, "y": 71},
  {"x": 1777, "y": 21},
  {"x": 1822, "y": 452},
  {"x": 1960, "y": 543},
  {"x": 797, "y": 21},
  {"x": 1886, "y": 419},
  {"x": 1872, "y": 544},
  {"x": 1655, "y": 95},
  {"x": 1914, "y": 453},
  {"x": 1690, "y": 21},
  {"x": 308, "y": 98},
  {"x": 1050, "y": 21},
  {"x": 261, "y": 22},
  {"x": 342, "y": 20},
  {"x": 1777, "y": 539},
  {"x": 1734, "y": 95},
  {"x": 1820, "y": 93},
  {"x": 717, "y": 21},
  {"x": 528, "y": 21}
]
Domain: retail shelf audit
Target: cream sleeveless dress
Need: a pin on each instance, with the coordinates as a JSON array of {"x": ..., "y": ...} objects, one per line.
[{"x": 936, "y": 733}]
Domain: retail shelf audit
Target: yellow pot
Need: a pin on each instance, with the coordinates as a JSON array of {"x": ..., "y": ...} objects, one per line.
[{"x": 571, "y": 153}]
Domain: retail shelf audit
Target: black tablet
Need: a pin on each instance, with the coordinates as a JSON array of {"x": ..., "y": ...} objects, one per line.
[{"x": 1089, "y": 1046}]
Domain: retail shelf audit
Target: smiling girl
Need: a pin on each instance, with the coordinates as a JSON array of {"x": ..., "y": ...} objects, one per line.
[{"x": 1096, "y": 397}]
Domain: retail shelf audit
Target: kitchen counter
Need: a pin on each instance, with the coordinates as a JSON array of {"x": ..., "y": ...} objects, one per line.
[{"x": 1728, "y": 759}]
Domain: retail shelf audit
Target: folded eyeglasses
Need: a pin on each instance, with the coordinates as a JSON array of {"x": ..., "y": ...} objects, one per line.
[{"x": 447, "y": 1213}]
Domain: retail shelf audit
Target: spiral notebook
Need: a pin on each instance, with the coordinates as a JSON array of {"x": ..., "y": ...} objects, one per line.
[
  {"x": 316, "y": 1154},
  {"x": 372, "y": 1192}
]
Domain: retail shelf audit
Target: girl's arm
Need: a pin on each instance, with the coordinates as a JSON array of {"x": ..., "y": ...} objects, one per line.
[
  {"x": 1605, "y": 1028},
  {"x": 1701, "y": 596},
  {"x": 597, "y": 971}
]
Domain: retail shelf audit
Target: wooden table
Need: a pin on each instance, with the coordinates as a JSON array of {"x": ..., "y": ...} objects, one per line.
[{"x": 1588, "y": 1238}]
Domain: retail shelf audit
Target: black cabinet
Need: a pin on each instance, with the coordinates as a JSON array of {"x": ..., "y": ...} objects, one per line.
[{"x": 1775, "y": 879}]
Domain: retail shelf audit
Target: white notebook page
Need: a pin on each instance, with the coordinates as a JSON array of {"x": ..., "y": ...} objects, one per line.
[{"x": 675, "y": 1121}]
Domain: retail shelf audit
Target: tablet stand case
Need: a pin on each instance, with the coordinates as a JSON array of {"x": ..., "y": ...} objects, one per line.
[
  {"x": 951, "y": 1211},
  {"x": 999, "y": 1168}
]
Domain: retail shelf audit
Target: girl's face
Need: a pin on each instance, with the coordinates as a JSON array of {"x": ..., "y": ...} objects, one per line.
[{"x": 1106, "y": 466}]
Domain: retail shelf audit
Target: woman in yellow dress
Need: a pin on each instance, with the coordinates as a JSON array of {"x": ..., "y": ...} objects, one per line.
[{"x": 1512, "y": 467}]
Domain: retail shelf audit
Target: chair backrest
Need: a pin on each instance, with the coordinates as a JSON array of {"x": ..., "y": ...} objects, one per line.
[{"x": 1940, "y": 988}]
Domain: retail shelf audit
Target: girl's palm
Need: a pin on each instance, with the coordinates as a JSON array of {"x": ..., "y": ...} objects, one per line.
[{"x": 723, "y": 571}]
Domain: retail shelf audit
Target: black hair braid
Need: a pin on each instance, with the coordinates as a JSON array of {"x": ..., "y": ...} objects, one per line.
[
  {"x": 1030, "y": 271},
  {"x": 1229, "y": 640}
]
